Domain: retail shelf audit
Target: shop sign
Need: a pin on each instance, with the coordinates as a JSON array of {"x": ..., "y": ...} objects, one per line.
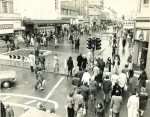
[
  {"x": 142, "y": 35},
  {"x": 6, "y": 26}
]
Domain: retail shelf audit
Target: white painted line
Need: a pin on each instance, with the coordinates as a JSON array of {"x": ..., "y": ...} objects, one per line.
[
  {"x": 53, "y": 89},
  {"x": 18, "y": 105},
  {"x": 31, "y": 97},
  {"x": 5, "y": 98},
  {"x": 30, "y": 102}
]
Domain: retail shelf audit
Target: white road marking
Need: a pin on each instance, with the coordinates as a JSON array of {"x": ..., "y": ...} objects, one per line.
[
  {"x": 53, "y": 89},
  {"x": 18, "y": 105},
  {"x": 30, "y": 102},
  {"x": 31, "y": 97},
  {"x": 5, "y": 98}
]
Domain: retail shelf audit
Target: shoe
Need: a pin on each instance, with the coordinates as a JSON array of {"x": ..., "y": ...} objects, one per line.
[
  {"x": 41, "y": 88},
  {"x": 35, "y": 88}
]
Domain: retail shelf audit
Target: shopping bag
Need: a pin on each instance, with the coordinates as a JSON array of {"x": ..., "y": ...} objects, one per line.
[
  {"x": 44, "y": 82},
  {"x": 84, "y": 111}
]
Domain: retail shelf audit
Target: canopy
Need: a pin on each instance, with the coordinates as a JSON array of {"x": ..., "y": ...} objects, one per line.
[{"x": 38, "y": 113}]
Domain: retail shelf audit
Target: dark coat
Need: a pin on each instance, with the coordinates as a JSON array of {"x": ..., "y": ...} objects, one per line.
[
  {"x": 70, "y": 64},
  {"x": 84, "y": 63},
  {"x": 79, "y": 60},
  {"x": 106, "y": 86},
  {"x": 85, "y": 91}
]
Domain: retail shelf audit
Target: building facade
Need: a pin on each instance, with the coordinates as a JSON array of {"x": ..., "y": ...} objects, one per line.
[
  {"x": 9, "y": 21},
  {"x": 142, "y": 37}
]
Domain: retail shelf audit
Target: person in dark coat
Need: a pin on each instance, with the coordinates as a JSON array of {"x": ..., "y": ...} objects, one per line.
[
  {"x": 70, "y": 66},
  {"x": 3, "y": 110},
  {"x": 37, "y": 52},
  {"x": 107, "y": 84},
  {"x": 42, "y": 60},
  {"x": 99, "y": 79},
  {"x": 143, "y": 101},
  {"x": 108, "y": 64},
  {"x": 84, "y": 63},
  {"x": 102, "y": 64},
  {"x": 99, "y": 110},
  {"x": 116, "y": 88},
  {"x": 85, "y": 92},
  {"x": 79, "y": 60},
  {"x": 77, "y": 43},
  {"x": 79, "y": 75},
  {"x": 142, "y": 79}
]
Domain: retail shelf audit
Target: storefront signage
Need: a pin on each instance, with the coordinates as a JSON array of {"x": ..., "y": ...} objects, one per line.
[
  {"x": 128, "y": 24},
  {"x": 142, "y": 35},
  {"x": 6, "y": 26}
]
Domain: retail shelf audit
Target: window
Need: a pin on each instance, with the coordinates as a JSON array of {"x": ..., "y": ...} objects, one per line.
[
  {"x": 4, "y": 7},
  {"x": 145, "y": 1}
]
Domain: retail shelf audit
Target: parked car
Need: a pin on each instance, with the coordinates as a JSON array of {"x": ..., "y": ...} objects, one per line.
[{"x": 7, "y": 78}]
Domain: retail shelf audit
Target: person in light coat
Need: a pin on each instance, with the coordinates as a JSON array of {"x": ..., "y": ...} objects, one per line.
[
  {"x": 86, "y": 77},
  {"x": 122, "y": 80},
  {"x": 31, "y": 61},
  {"x": 133, "y": 105}
]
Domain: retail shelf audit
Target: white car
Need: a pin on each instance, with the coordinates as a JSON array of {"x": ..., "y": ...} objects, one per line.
[{"x": 7, "y": 78}]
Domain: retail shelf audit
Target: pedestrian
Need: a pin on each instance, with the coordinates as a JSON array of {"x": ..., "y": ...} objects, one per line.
[
  {"x": 44, "y": 40},
  {"x": 107, "y": 87},
  {"x": 115, "y": 104},
  {"x": 114, "y": 78},
  {"x": 85, "y": 92},
  {"x": 99, "y": 79},
  {"x": 95, "y": 71},
  {"x": 93, "y": 90},
  {"x": 40, "y": 79},
  {"x": 79, "y": 60},
  {"x": 108, "y": 64},
  {"x": 99, "y": 110},
  {"x": 36, "y": 52},
  {"x": 78, "y": 100},
  {"x": 31, "y": 61},
  {"x": 57, "y": 66},
  {"x": 143, "y": 101},
  {"x": 42, "y": 61},
  {"x": 81, "y": 111},
  {"x": 55, "y": 61},
  {"x": 70, "y": 105},
  {"x": 84, "y": 63},
  {"x": 86, "y": 77},
  {"x": 2, "y": 109},
  {"x": 55, "y": 41},
  {"x": 70, "y": 66},
  {"x": 75, "y": 82},
  {"x": 142, "y": 79},
  {"x": 123, "y": 81},
  {"x": 102, "y": 64},
  {"x": 79, "y": 75},
  {"x": 133, "y": 105},
  {"x": 9, "y": 111},
  {"x": 116, "y": 88}
]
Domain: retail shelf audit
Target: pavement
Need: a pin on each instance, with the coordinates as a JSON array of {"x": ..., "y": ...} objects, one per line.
[{"x": 23, "y": 95}]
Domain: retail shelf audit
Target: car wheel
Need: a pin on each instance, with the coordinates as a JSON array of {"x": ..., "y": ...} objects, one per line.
[{"x": 6, "y": 84}]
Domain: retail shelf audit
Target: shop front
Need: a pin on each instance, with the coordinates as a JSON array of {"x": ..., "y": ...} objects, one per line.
[{"x": 142, "y": 37}]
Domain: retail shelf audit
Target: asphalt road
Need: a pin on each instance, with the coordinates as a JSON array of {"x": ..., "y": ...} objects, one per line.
[{"x": 23, "y": 95}]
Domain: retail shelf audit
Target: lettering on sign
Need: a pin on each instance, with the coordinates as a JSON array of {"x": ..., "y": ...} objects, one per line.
[{"x": 6, "y": 26}]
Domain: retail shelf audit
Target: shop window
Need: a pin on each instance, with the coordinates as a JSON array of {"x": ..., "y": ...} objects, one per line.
[{"x": 145, "y": 1}]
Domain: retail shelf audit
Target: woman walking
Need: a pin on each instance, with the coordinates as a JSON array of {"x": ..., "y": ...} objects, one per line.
[{"x": 70, "y": 66}]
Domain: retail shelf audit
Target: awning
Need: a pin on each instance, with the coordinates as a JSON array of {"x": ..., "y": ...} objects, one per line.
[{"x": 51, "y": 21}]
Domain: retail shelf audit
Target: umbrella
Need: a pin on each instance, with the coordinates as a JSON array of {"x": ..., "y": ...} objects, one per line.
[{"x": 38, "y": 113}]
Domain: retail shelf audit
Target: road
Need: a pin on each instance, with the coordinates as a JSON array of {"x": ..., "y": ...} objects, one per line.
[{"x": 23, "y": 95}]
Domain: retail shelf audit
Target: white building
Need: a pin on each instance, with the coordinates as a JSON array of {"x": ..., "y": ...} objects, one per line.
[{"x": 38, "y": 9}]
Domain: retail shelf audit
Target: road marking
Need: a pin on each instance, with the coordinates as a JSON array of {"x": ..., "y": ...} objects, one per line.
[
  {"x": 31, "y": 97},
  {"x": 5, "y": 98},
  {"x": 19, "y": 105},
  {"x": 30, "y": 102},
  {"x": 53, "y": 89}
]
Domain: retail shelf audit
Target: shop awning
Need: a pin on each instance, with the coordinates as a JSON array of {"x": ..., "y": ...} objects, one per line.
[{"x": 51, "y": 21}]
